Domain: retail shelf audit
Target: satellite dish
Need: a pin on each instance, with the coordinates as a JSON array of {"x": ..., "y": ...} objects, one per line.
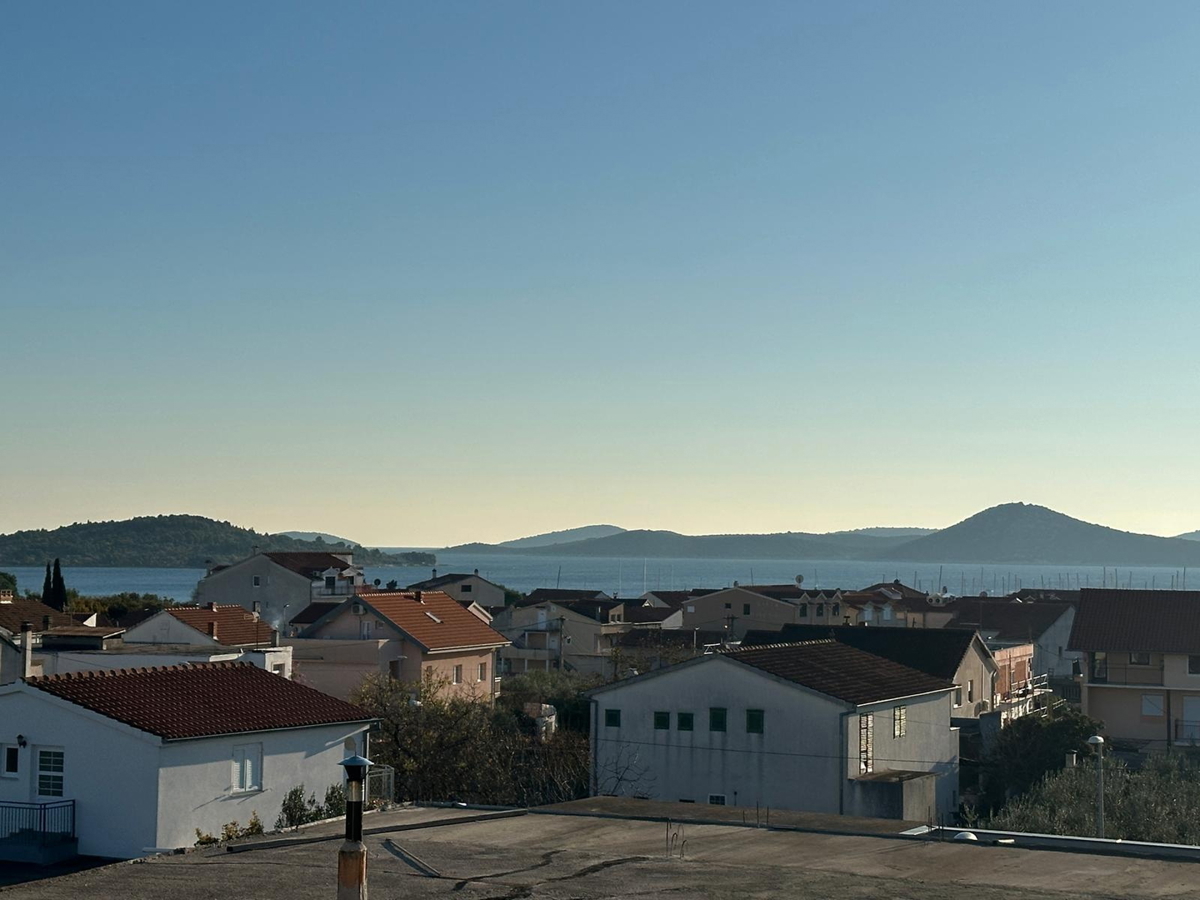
[{"x": 799, "y": 579}]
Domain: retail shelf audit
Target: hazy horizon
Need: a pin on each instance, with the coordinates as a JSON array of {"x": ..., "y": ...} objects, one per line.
[{"x": 423, "y": 274}]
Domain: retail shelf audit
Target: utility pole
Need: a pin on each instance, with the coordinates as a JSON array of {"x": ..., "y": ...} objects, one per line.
[{"x": 1098, "y": 743}]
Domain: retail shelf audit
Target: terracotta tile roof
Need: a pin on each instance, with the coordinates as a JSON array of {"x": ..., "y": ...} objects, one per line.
[
  {"x": 310, "y": 565},
  {"x": 436, "y": 621},
  {"x": 179, "y": 702},
  {"x": 32, "y": 611},
  {"x": 234, "y": 625},
  {"x": 839, "y": 670},
  {"x": 1110, "y": 619},
  {"x": 937, "y": 652}
]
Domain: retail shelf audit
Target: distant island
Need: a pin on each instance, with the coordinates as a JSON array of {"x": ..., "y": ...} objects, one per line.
[
  {"x": 191, "y": 542},
  {"x": 1012, "y": 533}
]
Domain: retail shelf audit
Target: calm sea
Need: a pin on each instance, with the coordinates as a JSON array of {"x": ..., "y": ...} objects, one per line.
[{"x": 630, "y": 577}]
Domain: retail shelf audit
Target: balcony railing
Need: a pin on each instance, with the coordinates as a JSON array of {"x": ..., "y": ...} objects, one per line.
[
  {"x": 1122, "y": 674},
  {"x": 39, "y": 824},
  {"x": 1187, "y": 731}
]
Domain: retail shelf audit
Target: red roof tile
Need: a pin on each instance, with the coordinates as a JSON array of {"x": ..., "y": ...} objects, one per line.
[
  {"x": 202, "y": 700},
  {"x": 230, "y": 625},
  {"x": 436, "y": 621},
  {"x": 1110, "y": 619}
]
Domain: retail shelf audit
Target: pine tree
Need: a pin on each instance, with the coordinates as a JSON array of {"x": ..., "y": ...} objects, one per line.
[
  {"x": 47, "y": 588},
  {"x": 58, "y": 592}
]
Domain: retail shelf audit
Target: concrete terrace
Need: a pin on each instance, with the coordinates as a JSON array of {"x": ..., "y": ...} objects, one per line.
[{"x": 552, "y": 854}]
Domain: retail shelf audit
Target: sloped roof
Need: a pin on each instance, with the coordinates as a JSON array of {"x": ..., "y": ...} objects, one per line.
[
  {"x": 1111, "y": 619},
  {"x": 430, "y": 584},
  {"x": 937, "y": 652},
  {"x": 314, "y": 611},
  {"x": 678, "y": 598},
  {"x": 235, "y": 626},
  {"x": 541, "y": 595},
  {"x": 646, "y": 614},
  {"x": 201, "y": 700},
  {"x": 308, "y": 564},
  {"x": 838, "y": 670},
  {"x": 433, "y": 619},
  {"x": 899, "y": 587},
  {"x": 1009, "y": 621},
  {"x": 13, "y": 614}
]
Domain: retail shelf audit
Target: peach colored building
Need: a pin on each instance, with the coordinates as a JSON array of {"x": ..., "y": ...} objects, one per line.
[
  {"x": 1141, "y": 676},
  {"x": 410, "y": 635}
]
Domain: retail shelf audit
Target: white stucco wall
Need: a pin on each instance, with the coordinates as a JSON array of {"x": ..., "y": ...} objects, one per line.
[
  {"x": 281, "y": 592},
  {"x": 794, "y": 764},
  {"x": 110, "y": 770},
  {"x": 803, "y": 760},
  {"x": 164, "y": 628},
  {"x": 195, "y": 781}
]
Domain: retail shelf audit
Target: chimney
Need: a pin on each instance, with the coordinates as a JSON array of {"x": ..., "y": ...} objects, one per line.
[
  {"x": 26, "y": 650},
  {"x": 476, "y": 571},
  {"x": 417, "y": 597},
  {"x": 212, "y": 630},
  {"x": 254, "y": 550},
  {"x": 274, "y": 637},
  {"x": 435, "y": 573},
  {"x": 211, "y": 604}
]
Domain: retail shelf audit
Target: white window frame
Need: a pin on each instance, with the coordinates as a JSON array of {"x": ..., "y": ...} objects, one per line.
[
  {"x": 60, "y": 773},
  {"x": 458, "y": 674},
  {"x": 247, "y": 768},
  {"x": 900, "y": 722},
  {"x": 482, "y": 672},
  {"x": 716, "y": 799},
  {"x": 1157, "y": 701}
]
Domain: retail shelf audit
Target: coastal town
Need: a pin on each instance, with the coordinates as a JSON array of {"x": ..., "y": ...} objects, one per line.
[{"x": 879, "y": 709}]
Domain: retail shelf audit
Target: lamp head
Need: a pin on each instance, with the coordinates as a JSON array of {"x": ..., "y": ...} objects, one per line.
[
  {"x": 356, "y": 767},
  {"x": 1095, "y": 740}
]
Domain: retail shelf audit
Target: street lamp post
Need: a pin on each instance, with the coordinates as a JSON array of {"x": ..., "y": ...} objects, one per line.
[
  {"x": 352, "y": 857},
  {"x": 1097, "y": 742}
]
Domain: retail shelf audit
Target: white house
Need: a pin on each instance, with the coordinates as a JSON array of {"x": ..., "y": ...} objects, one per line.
[
  {"x": 137, "y": 761},
  {"x": 277, "y": 585},
  {"x": 816, "y": 726},
  {"x": 466, "y": 588}
]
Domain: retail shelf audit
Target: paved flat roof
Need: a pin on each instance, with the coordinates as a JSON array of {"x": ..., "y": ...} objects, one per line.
[{"x": 557, "y": 856}]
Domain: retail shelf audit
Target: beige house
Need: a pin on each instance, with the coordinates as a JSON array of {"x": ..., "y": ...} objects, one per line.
[
  {"x": 736, "y": 610},
  {"x": 465, "y": 588},
  {"x": 278, "y": 585},
  {"x": 410, "y": 635},
  {"x": 1142, "y": 671},
  {"x": 572, "y": 635}
]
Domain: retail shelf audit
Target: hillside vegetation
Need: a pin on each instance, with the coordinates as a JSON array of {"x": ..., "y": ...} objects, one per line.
[{"x": 169, "y": 542}]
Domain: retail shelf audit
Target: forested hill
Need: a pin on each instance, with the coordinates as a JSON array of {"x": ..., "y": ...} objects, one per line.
[{"x": 168, "y": 542}]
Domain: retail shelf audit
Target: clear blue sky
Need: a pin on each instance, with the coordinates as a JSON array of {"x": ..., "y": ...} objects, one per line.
[{"x": 426, "y": 273}]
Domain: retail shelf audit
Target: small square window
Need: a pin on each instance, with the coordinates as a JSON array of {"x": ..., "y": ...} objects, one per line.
[
  {"x": 729, "y": 606},
  {"x": 662, "y": 721},
  {"x": 754, "y": 721},
  {"x": 716, "y": 718},
  {"x": 612, "y": 718},
  {"x": 466, "y": 588},
  {"x": 1139, "y": 659},
  {"x": 716, "y": 799},
  {"x": 1152, "y": 706},
  {"x": 685, "y": 721}
]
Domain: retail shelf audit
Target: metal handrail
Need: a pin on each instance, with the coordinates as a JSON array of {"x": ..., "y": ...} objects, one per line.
[{"x": 37, "y": 823}]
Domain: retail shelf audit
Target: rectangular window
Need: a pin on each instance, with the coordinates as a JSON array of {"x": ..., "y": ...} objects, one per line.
[
  {"x": 835, "y": 610},
  {"x": 278, "y": 668},
  {"x": 716, "y": 718},
  {"x": 900, "y": 721},
  {"x": 729, "y": 606},
  {"x": 50, "y": 771},
  {"x": 330, "y": 582},
  {"x": 1139, "y": 659},
  {"x": 662, "y": 721},
  {"x": 1152, "y": 706},
  {"x": 257, "y": 581},
  {"x": 754, "y": 721},
  {"x": 866, "y": 744},
  {"x": 820, "y": 609},
  {"x": 971, "y": 690},
  {"x": 1194, "y": 665},
  {"x": 11, "y": 761},
  {"x": 612, "y": 718},
  {"x": 466, "y": 588},
  {"x": 957, "y": 697},
  {"x": 685, "y": 721},
  {"x": 256, "y": 607},
  {"x": 716, "y": 799},
  {"x": 745, "y": 609},
  {"x": 804, "y": 609},
  {"x": 483, "y": 671},
  {"x": 458, "y": 674},
  {"x": 247, "y": 767}
]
